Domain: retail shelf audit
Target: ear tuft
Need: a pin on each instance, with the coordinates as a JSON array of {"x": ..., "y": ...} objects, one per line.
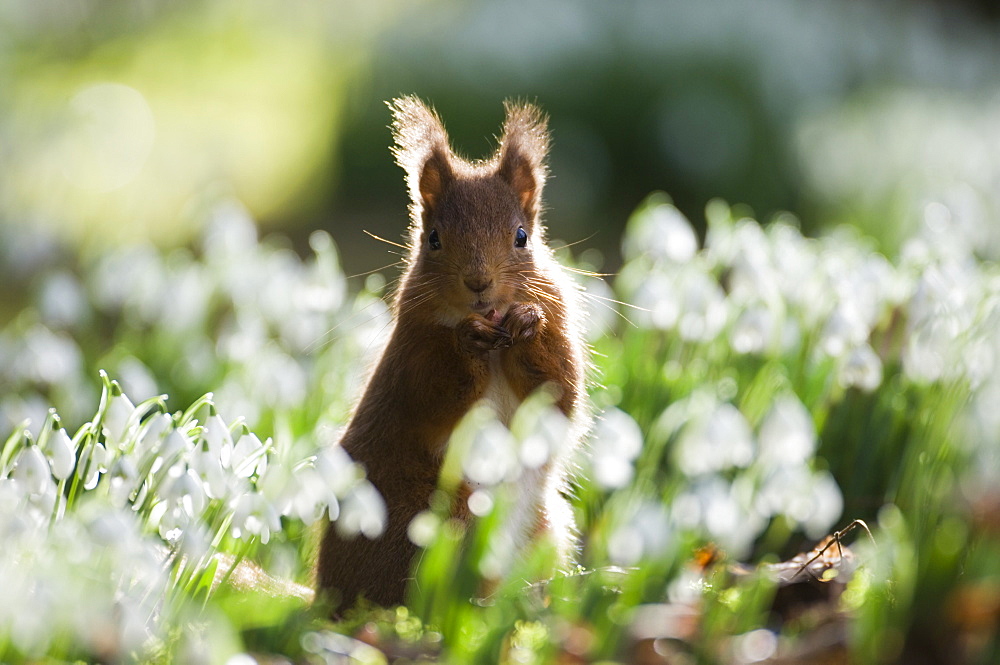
[
  {"x": 523, "y": 149},
  {"x": 421, "y": 150}
]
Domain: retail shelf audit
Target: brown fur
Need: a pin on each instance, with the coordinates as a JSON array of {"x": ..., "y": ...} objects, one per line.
[{"x": 476, "y": 304}]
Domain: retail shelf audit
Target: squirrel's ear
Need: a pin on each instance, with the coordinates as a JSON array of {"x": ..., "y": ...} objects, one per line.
[
  {"x": 422, "y": 150},
  {"x": 435, "y": 174},
  {"x": 523, "y": 148}
]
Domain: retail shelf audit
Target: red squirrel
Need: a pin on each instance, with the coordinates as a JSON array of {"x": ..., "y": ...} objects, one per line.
[{"x": 483, "y": 312}]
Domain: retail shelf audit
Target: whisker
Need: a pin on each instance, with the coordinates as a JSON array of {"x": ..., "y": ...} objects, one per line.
[
  {"x": 588, "y": 273},
  {"x": 396, "y": 244},
  {"x": 369, "y": 272},
  {"x": 617, "y": 302},
  {"x": 328, "y": 336},
  {"x": 576, "y": 242},
  {"x": 601, "y": 301}
]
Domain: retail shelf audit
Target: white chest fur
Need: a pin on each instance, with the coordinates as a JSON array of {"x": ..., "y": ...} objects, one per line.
[{"x": 499, "y": 395}]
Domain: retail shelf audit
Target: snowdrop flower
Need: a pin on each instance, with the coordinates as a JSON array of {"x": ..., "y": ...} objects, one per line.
[
  {"x": 277, "y": 379},
  {"x": 60, "y": 452},
  {"x": 206, "y": 463},
  {"x": 753, "y": 331},
  {"x": 787, "y": 435},
  {"x": 186, "y": 490},
  {"x": 312, "y": 498},
  {"x": 542, "y": 431},
  {"x": 715, "y": 441},
  {"x": 249, "y": 456},
  {"x": 844, "y": 329},
  {"x": 362, "y": 512},
  {"x": 92, "y": 464},
  {"x": 662, "y": 232},
  {"x": 977, "y": 361},
  {"x": 192, "y": 538},
  {"x": 645, "y": 534},
  {"x": 810, "y": 500},
  {"x": 118, "y": 421},
  {"x": 828, "y": 505},
  {"x": 314, "y": 489},
  {"x": 370, "y": 322},
  {"x": 124, "y": 479},
  {"x": 862, "y": 369},
  {"x": 337, "y": 469},
  {"x": 47, "y": 357},
  {"x": 703, "y": 308},
  {"x": 31, "y": 470},
  {"x": 659, "y": 305},
  {"x": 253, "y": 515},
  {"x": 171, "y": 522},
  {"x": 723, "y": 509},
  {"x": 753, "y": 276},
  {"x": 929, "y": 349},
  {"x": 151, "y": 451},
  {"x": 491, "y": 457},
  {"x": 174, "y": 444},
  {"x": 218, "y": 438},
  {"x": 615, "y": 443}
]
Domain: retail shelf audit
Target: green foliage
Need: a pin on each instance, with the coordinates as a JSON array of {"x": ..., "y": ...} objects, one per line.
[{"x": 755, "y": 394}]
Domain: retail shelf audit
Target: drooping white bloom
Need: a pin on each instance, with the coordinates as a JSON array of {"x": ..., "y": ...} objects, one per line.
[
  {"x": 253, "y": 515},
  {"x": 362, "y": 512},
  {"x": 31, "y": 469},
  {"x": 614, "y": 443},
  {"x": 60, "y": 451},
  {"x": 845, "y": 329},
  {"x": 249, "y": 457},
  {"x": 91, "y": 464},
  {"x": 661, "y": 231},
  {"x": 151, "y": 435},
  {"x": 645, "y": 533},
  {"x": 724, "y": 509},
  {"x": 186, "y": 490},
  {"x": 311, "y": 498},
  {"x": 787, "y": 435},
  {"x": 542, "y": 431},
  {"x": 811, "y": 500},
  {"x": 658, "y": 303},
  {"x": 118, "y": 422},
  {"x": 492, "y": 455},
  {"x": 718, "y": 440},
  {"x": 219, "y": 439},
  {"x": 753, "y": 331},
  {"x": 124, "y": 480},
  {"x": 206, "y": 463},
  {"x": 703, "y": 307},
  {"x": 336, "y": 468},
  {"x": 174, "y": 444},
  {"x": 862, "y": 369}
]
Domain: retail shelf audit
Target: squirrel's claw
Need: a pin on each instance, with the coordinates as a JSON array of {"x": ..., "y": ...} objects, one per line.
[
  {"x": 523, "y": 320},
  {"x": 477, "y": 334}
]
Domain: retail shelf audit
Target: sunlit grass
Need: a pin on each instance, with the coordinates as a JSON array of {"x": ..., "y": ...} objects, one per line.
[{"x": 765, "y": 390}]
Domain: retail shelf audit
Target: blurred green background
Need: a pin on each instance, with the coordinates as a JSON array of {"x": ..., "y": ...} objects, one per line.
[
  {"x": 161, "y": 164},
  {"x": 126, "y": 121}
]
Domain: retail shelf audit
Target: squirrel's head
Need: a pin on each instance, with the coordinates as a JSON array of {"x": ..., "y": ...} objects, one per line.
[{"x": 475, "y": 233}]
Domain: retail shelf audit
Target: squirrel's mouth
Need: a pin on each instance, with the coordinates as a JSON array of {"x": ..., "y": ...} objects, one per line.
[{"x": 491, "y": 310}]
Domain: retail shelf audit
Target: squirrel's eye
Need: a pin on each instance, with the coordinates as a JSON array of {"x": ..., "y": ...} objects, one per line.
[
  {"x": 433, "y": 239},
  {"x": 521, "y": 239}
]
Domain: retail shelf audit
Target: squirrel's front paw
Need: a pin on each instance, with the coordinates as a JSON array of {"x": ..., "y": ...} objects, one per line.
[
  {"x": 524, "y": 320},
  {"x": 477, "y": 334}
]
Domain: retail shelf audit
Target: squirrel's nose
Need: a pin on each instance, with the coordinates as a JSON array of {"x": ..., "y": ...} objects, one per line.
[{"x": 478, "y": 284}]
